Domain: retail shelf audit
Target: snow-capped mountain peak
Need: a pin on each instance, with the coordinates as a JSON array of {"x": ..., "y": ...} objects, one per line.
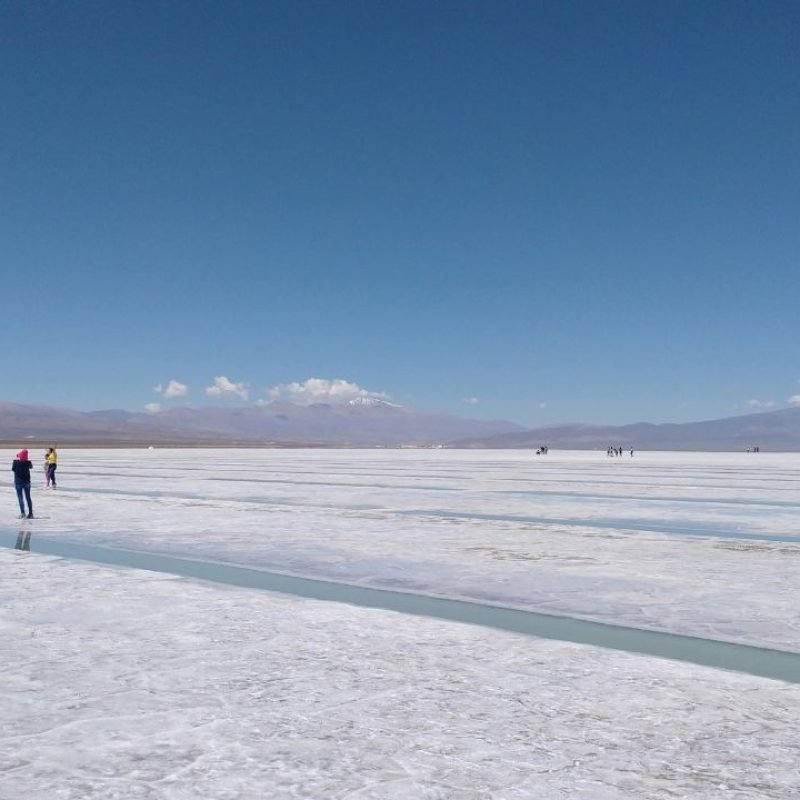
[{"x": 372, "y": 401}]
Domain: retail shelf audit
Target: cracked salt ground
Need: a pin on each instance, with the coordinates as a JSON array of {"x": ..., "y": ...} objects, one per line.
[
  {"x": 292, "y": 511},
  {"x": 128, "y": 684}
]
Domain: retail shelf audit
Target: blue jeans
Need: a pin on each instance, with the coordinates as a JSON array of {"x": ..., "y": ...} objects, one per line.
[
  {"x": 51, "y": 474},
  {"x": 26, "y": 488}
]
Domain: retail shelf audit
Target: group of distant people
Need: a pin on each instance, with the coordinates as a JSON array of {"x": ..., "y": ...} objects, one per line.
[
  {"x": 21, "y": 467},
  {"x": 543, "y": 450},
  {"x": 753, "y": 449},
  {"x": 611, "y": 452}
]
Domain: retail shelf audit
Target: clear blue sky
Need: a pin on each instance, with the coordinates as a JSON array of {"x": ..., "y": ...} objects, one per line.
[{"x": 565, "y": 211}]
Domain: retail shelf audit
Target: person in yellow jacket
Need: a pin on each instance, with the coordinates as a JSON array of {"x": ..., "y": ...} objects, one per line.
[{"x": 52, "y": 462}]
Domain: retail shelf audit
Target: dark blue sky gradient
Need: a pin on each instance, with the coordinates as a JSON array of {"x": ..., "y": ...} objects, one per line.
[{"x": 592, "y": 205}]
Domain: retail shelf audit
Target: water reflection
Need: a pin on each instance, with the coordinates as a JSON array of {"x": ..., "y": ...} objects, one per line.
[{"x": 23, "y": 541}]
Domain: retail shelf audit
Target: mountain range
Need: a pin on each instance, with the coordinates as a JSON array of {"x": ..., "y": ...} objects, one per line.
[
  {"x": 777, "y": 431},
  {"x": 370, "y": 422},
  {"x": 356, "y": 423}
]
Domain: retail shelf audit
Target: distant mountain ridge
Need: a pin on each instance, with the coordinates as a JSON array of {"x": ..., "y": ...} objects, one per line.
[
  {"x": 777, "y": 431},
  {"x": 379, "y": 422},
  {"x": 371, "y": 422}
]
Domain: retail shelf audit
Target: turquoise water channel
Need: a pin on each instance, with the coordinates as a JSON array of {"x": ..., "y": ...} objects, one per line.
[{"x": 760, "y": 661}]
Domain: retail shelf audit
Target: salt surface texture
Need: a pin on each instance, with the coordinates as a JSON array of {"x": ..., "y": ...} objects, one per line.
[
  {"x": 128, "y": 684},
  {"x": 704, "y": 544}
]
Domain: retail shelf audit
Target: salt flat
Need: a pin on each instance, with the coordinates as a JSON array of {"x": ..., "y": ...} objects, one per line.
[
  {"x": 124, "y": 683},
  {"x": 121, "y": 683},
  {"x": 702, "y": 544}
]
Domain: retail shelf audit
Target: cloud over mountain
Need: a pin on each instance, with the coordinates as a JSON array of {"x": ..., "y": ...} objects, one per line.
[
  {"x": 172, "y": 389},
  {"x": 323, "y": 390},
  {"x": 756, "y": 403},
  {"x": 222, "y": 387}
]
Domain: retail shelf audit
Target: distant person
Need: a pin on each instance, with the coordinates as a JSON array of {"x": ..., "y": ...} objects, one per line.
[
  {"x": 52, "y": 463},
  {"x": 22, "y": 482},
  {"x": 631, "y": 453}
]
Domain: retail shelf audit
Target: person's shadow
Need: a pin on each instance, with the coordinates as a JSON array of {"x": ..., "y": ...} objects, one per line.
[{"x": 23, "y": 541}]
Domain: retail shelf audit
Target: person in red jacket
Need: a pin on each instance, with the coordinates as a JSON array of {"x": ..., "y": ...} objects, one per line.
[{"x": 22, "y": 481}]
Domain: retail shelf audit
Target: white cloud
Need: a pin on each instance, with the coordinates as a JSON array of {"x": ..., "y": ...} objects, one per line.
[
  {"x": 176, "y": 389},
  {"x": 222, "y": 387},
  {"x": 152, "y": 408},
  {"x": 322, "y": 390},
  {"x": 542, "y": 404},
  {"x": 172, "y": 389},
  {"x": 795, "y": 400},
  {"x": 756, "y": 403},
  {"x": 471, "y": 401}
]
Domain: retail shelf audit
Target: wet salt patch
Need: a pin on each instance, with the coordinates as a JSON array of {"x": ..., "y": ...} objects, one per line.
[{"x": 135, "y": 683}]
